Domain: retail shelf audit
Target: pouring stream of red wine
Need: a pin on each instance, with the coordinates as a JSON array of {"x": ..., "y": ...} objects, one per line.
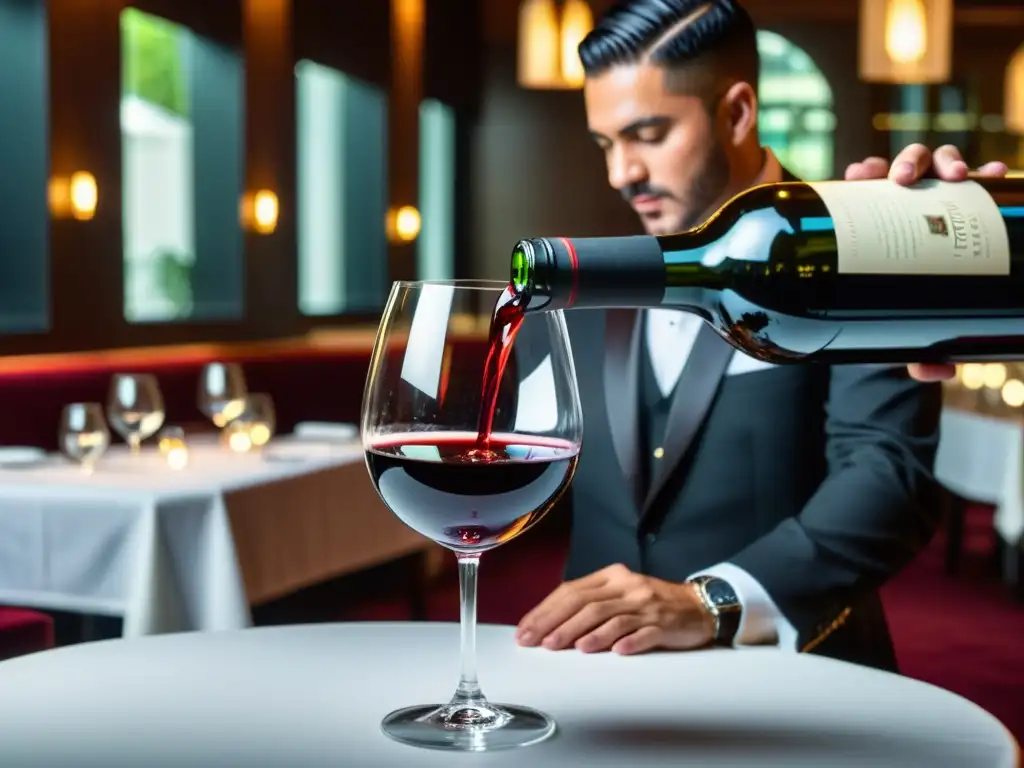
[{"x": 505, "y": 324}]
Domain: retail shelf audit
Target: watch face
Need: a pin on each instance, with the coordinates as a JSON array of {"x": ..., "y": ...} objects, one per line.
[{"x": 721, "y": 594}]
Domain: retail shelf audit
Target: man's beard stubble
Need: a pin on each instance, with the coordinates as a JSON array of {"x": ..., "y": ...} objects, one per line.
[
  {"x": 708, "y": 189},
  {"x": 707, "y": 192}
]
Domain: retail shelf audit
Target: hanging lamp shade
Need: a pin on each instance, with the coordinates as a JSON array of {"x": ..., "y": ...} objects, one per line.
[
  {"x": 577, "y": 21},
  {"x": 1013, "y": 99},
  {"x": 906, "y": 41},
  {"x": 539, "y": 41}
]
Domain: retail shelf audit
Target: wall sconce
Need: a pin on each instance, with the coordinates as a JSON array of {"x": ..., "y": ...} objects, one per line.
[
  {"x": 259, "y": 211},
  {"x": 547, "y": 56},
  {"x": 403, "y": 224},
  {"x": 1013, "y": 100},
  {"x": 906, "y": 42},
  {"x": 75, "y": 196}
]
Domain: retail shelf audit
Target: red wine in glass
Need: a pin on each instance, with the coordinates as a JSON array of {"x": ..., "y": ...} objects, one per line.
[{"x": 439, "y": 485}]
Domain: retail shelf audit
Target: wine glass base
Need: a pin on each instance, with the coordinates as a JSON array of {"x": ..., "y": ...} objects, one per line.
[{"x": 462, "y": 729}]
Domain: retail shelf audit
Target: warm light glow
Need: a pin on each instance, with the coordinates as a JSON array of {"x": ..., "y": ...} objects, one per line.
[
  {"x": 905, "y": 41},
  {"x": 547, "y": 55},
  {"x": 972, "y": 375},
  {"x": 240, "y": 441},
  {"x": 259, "y": 211},
  {"x": 172, "y": 447},
  {"x": 906, "y": 31},
  {"x": 577, "y": 21},
  {"x": 538, "y": 54},
  {"x": 1013, "y": 99},
  {"x": 994, "y": 375},
  {"x": 1013, "y": 393},
  {"x": 403, "y": 224},
  {"x": 74, "y": 196},
  {"x": 259, "y": 434}
]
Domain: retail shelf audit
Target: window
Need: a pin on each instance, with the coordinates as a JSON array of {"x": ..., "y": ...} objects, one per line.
[
  {"x": 182, "y": 166},
  {"x": 24, "y": 158},
  {"x": 435, "y": 254},
  {"x": 342, "y": 192},
  {"x": 795, "y": 118}
]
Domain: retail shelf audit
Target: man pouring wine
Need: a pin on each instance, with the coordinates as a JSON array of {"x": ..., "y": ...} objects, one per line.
[{"x": 721, "y": 499}]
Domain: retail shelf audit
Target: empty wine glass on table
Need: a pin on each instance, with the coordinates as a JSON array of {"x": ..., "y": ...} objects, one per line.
[
  {"x": 470, "y": 448},
  {"x": 135, "y": 408},
  {"x": 222, "y": 392},
  {"x": 83, "y": 435}
]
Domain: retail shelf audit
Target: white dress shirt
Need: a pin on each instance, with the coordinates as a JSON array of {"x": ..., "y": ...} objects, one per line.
[{"x": 669, "y": 336}]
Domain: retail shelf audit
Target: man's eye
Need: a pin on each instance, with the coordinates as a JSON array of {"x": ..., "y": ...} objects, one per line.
[{"x": 650, "y": 135}]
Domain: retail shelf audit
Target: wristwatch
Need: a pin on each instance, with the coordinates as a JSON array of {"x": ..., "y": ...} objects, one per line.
[{"x": 721, "y": 602}]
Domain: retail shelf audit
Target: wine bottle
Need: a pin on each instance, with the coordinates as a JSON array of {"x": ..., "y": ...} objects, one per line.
[{"x": 831, "y": 272}]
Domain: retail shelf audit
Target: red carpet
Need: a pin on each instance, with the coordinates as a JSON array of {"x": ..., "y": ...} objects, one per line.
[
  {"x": 957, "y": 632},
  {"x": 961, "y": 632}
]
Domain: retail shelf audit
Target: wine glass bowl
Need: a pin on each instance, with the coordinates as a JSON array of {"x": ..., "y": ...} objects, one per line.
[
  {"x": 83, "y": 435},
  {"x": 469, "y": 445},
  {"x": 135, "y": 408},
  {"x": 222, "y": 392}
]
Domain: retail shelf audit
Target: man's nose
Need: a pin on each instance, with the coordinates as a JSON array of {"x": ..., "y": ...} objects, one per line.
[{"x": 624, "y": 169}]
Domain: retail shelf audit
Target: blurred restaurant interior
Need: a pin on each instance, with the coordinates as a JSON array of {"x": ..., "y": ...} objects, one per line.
[{"x": 240, "y": 181}]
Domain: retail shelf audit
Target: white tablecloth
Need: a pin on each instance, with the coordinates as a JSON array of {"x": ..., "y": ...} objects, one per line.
[
  {"x": 161, "y": 547},
  {"x": 312, "y": 696},
  {"x": 982, "y": 459}
]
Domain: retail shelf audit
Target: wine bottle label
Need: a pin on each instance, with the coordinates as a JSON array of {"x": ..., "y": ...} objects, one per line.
[{"x": 932, "y": 228}]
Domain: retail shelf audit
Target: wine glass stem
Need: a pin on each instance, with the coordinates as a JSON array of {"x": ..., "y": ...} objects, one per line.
[
  {"x": 468, "y": 693},
  {"x": 135, "y": 443}
]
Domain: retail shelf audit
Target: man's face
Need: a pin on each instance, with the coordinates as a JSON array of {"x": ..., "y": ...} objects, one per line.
[{"x": 665, "y": 153}]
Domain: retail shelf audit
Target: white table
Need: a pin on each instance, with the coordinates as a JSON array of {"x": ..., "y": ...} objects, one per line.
[
  {"x": 191, "y": 549},
  {"x": 312, "y": 696},
  {"x": 981, "y": 458}
]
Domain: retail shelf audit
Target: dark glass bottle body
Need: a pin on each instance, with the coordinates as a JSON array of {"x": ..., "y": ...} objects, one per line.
[{"x": 772, "y": 272}]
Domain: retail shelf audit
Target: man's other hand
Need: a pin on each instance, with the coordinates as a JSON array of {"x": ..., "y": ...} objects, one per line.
[
  {"x": 910, "y": 166},
  {"x": 618, "y": 610}
]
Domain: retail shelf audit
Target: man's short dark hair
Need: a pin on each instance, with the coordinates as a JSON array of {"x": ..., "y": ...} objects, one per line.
[{"x": 716, "y": 36}]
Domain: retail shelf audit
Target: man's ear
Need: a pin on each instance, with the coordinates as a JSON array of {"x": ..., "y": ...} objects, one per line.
[{"x": 739, "y": 109}]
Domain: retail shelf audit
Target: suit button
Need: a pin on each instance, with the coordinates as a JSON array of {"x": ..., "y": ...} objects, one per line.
[{"x": 650, "y": 538}]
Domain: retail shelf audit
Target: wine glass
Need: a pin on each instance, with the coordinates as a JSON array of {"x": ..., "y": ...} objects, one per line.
[
  {"x": 470, "y": 448},
  {"x": 222, "y": 392},
  {"x": 83, "y": 435},
  {"x": 135, "y": 408}
]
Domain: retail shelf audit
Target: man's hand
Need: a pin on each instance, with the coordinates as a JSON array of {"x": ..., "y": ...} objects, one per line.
[
  {"x": 909, "y": 166},
  {"x": 619, "y": 610}
]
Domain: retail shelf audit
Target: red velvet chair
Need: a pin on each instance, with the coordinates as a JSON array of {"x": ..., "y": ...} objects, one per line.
[{"x": 23, "y": 631}]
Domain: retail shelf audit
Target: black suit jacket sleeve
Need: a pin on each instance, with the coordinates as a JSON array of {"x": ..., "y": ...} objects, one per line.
[{"x": 875, "y": 510}]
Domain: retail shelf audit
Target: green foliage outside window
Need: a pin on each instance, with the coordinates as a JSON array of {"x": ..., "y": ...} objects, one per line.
[{"x": 153, "y": 66}]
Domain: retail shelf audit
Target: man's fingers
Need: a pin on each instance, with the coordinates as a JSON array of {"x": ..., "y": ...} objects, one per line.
[
  {"x": 585, "y": 620},
  {"x": 931, "y": 372},
  {"x": 949, "y": 164},
  {"x": 607, "y": 634},
  {"x": 555, "y": 610},
  {"x": 993, "y": 170},
  {"x": 910, "y": 164},
  {"x": 643, "y": 640},
  {"x": 871, "y": 168}
]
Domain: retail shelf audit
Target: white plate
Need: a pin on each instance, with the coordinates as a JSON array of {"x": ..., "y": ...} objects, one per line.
[
  {"x": 331, "y": 431},
  {"x": 20, "y": 456}
]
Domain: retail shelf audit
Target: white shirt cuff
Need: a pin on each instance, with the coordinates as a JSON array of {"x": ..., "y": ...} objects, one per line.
[{"x": 761, "y": 622}]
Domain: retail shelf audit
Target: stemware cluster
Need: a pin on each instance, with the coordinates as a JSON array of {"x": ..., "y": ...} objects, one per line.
[{"x": 135, "y": 412}]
